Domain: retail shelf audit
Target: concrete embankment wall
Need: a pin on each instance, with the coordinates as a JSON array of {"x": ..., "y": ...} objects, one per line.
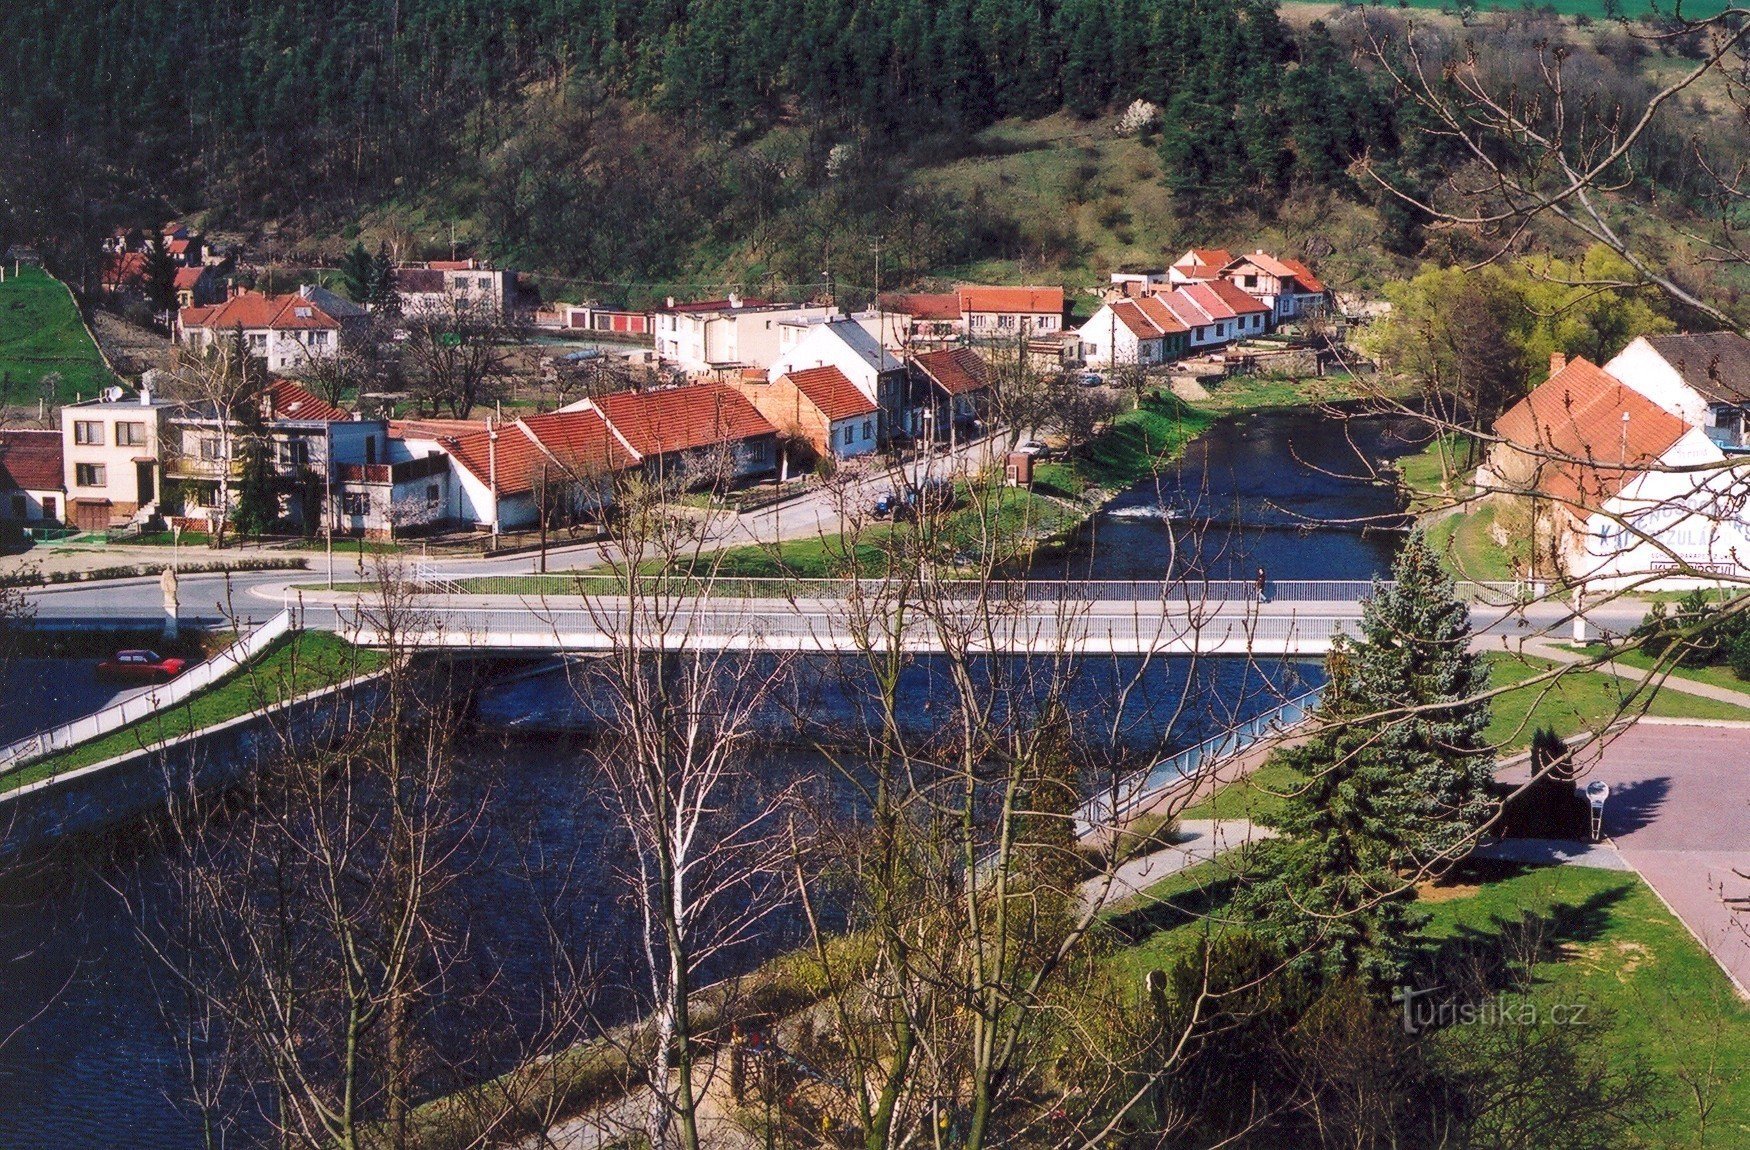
[{"x": 141, "y": 782}]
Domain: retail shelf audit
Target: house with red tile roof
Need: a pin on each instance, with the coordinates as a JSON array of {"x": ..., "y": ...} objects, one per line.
[
  {"x": 1288, "y": 286},
  {"x": 1198, "y": 265},
  {"x": 914, "y": 320},
  {"x": 121, "y": 271},
  {"x": 288, "y": 331},
  {"x": 1141, "y": 331},
  {"x": 559, "y": 465},
  {"x": 1618, "y": 488},
  {"x": 308, "y": 442},
  {"x": 33, "y": 487},
  {"x": 198, "y": 287},
  {"x": 698, "y": 435},
  {"x": 847, "y": 345},
  {"x": 1007, "y": 312},
  {"x": 441, "y": 284},
  {"x": 818, "y": 406},
  {"x": 953, "y": 386}
]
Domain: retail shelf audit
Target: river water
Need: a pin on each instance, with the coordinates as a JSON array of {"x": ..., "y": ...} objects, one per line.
[{"x": 86, "y": 1054}]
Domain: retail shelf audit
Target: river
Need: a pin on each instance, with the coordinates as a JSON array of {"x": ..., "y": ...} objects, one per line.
[{"x": 87, "y": 1055}]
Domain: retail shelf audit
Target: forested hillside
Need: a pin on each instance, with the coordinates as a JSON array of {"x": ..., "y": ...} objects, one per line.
[
  {"x": 319, "y": 107},
  {"x": 619, "y": 145}
]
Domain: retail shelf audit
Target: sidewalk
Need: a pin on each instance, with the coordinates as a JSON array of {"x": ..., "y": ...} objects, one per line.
[
  {"x": 1545, "y": 648},
  {"x": 1199, "y": 841}
]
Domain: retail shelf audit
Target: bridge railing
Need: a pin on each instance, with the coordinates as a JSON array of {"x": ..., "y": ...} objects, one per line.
[
  {"x": 1187, "y": 591},
  {"x": 131, "y": 710},
  {"x": 1143, "y": 787}
]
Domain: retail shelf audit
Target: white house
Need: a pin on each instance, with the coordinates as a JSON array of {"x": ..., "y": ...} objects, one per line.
[
  {"x": 999, "y": 312},
  {"x": 440, "y": 283},
  {"x": 1288, "y": 286},
  {"x": 1619, "y": 488},
  {"x": 846, "y": 345},
  {"x": 1703, "y": 379},
  {"x": 728, "y": 334},
  {"x": 288, "y": 331},
  {"x": 1133, "y": 332},
  {"x": 111, "y": 449},
  {"x": 1199, "y": 265}
]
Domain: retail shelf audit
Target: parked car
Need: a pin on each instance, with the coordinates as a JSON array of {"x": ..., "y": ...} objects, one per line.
[
  {"x": 140, "y": 667},
  {"x": 1033, "y": 447},
  {"x": 884, "y": 505},
  {"x": 1092, "y": 379}
]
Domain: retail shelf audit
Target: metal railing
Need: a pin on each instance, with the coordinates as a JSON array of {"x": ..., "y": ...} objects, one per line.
[
  {"x": 1192, "y": 762},
  {"x": 1179, "y": 591},
  {"x": 131, "y": 710}
]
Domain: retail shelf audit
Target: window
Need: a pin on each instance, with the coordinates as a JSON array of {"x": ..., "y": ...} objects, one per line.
[
  {"x": 88, "y": 432},
  {"x": 302, "y": 312},
  {"x": 432, "y": 495},
  {"x": 20, "y": 508},
  {"x": 1249, "y": 281},
  {"x": 292, "y": 452},
  {"x": 50, "y": 509},
  {"x": 258, "y": 341},
  {"x": 355, "y": 502},
  {"x": 90, "y": 475},
  {"x": 130, "y": 435},
  {"x": 868, "y": 430},
  {"x": 212, "y": 448}
]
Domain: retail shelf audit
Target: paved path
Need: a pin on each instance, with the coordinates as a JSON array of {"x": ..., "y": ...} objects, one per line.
[
  {"x": 1679, "y": 813},
  {"x": 1199, "y": 840},
  {"x": 1545, "y": 648}
]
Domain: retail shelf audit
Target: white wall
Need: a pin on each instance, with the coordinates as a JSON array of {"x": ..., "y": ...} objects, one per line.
[
  {"x": 1664, "y": 517},
  {"x": 1645, "y": 370}
]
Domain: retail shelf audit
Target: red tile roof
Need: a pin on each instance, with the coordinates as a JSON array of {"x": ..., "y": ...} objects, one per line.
[
  {"x": 188, "y": 277},
  {"x": 515, "y": 460},
  {"x": 1011, "y": 300},
  {"x": 121, "y": 270},
  {"x": 248, "y": 309},
  {"x": 924, "y": 305},
  {"x": 580, "y": 441},
  {"x": 1206, "y": 298},
  {"x": 286, "y": 400},
  {"x": 1305, "y": 275},
  {"x": 1186, "y": 309},
  {"x": 682, "y": 418},
  {"x": 177, "y": 247},
  {"x": 957, "y": 371},
  {"x": 1236, "y": 298},
  {"x": 433, "y": 428},
  {"x": 30, "y": 460},
  {"x": 453, "y": 266},
  {"x": 1160, "y": 315},
  {"x": 1585, "y": 452},
  {"x": 836, "y": 396},
  {"x": 1127, "y": 313},
  {"x": 1216, "y": 258}
]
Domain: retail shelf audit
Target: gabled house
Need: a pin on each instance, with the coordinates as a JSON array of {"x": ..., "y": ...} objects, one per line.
[
  {"x": 1199, "y": 265},
  {"x": 846, "y": 345},
  {"x": 1617, "y": 488},
  {"x": 1237, "y": 315},
  {"x": 504, "y": 475},
  {"x": 198, "y": 287},
  {"x": 950, "y": 394},
  {"x": 1139, "y": 332},
  {"x": 1289, "y": 287},
  {"x": 306, "y": 439},
  {"x": 288, "y": 331},
  {"x": 1007, "y": 312},
  {"x": 915, "y": 319},
  {"x": 701, "y": 434},
  {"x": 33, "y": 482},
  {"x": 121, "y": 272},
  {"x": 819, "y": 406},
  {"x": 1703, "y": 379}
]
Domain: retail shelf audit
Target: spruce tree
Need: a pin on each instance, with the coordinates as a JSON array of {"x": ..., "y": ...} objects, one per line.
[{"x": 1397, "y": 780}]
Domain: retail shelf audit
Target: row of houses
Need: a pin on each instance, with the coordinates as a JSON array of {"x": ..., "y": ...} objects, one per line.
[
  {"x": 134, "y": 458},
  {"x": 1636, "y": 468}
]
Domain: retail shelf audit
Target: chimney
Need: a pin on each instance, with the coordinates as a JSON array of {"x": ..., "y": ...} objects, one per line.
[
  {"x": 670, "y": 301},
  {"x": 734, "y": 300},
  {"x": 1557, "y": 361}
]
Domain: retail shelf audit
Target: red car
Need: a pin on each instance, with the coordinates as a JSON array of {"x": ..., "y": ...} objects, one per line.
[{"x": 140, "y": 667}]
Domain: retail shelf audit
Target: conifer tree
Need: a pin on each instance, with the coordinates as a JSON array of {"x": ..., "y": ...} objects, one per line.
[{"x": 1397, "y": 781}]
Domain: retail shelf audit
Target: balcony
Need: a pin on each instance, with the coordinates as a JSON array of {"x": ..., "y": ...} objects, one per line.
[{"x": 406, "y": 471}]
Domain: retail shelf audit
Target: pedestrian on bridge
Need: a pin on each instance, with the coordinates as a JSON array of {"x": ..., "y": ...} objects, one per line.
[{"x": 1263, "y": 593}]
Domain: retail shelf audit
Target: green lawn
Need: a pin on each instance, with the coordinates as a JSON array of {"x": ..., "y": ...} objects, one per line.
[
  {"x": 1720, "y": 676},
  {"x": 1433, "y": 475},
  {"x": 1579, "y": 701},
  {"x": 1131, "y": 450},
  {"x": 1611, "y": 944},
  {"x": 40, "y": 333},
  {"x": 1465, "y": 542},
  {"x": 1647, "y": 986},
  {"x": 1594, "y": 9},
  {"x": 1258, "y": 392},
  {"x": 292, "y": 666}
]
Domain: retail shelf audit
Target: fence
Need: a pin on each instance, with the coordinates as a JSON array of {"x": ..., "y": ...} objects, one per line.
[
  {"x": 131, "y": 710},
  {"x": 1182, "y": 591},
  {"x": 1145, "y": 786}
]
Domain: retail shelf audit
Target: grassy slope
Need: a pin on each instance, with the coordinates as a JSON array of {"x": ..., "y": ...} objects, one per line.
[
  {"x": 291, "y": 667},
  {"x": 1131, "y": 450},
  {"x": 40, "y": 332}
]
